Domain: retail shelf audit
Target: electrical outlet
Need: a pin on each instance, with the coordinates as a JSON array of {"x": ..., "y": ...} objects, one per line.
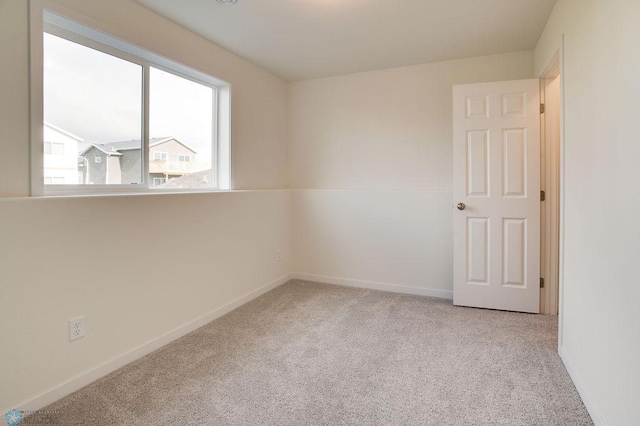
[
  {"x": 279, "y": 255},
  {"x": 76, "y": 328}
]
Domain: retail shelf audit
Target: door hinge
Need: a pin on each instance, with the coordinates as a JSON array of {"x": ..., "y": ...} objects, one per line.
[
  {"x": 543, "y": 196},
  {"x": 541, "y": 282},
  {"x": 541, "y": 108}
]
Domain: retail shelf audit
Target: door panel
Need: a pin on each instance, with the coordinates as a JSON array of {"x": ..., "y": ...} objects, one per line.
[
  {"x": 515, "y": 163},
  {"x": 514, "y": 252},
  {"x": 497, "y": 177},
  {"x": 478, "y": 250},
  {"x": 478, "y": 163}
]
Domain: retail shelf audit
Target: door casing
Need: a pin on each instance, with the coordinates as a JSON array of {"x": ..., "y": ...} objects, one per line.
[{"x": 550, "y": 126}]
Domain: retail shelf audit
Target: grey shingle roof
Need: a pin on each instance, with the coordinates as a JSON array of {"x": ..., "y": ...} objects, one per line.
[
  {"x": 114, "y": 148},
  {"x": 134, "y": 144},
  {"x": 106, "y": 149}
]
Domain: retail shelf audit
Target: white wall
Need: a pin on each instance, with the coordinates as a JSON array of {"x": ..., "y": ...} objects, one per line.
[
  {"x": 137, "y": 267},
  {"x": 600, "y": 291},
  {"x": 370, "y": 156}
]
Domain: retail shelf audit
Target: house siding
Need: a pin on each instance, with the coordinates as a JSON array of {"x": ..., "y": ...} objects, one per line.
[
  {"x": 173, "y": 148},
  {"x": 97, "y": 171},
  {"x": 114, "y": 174},
  {"x": 131, "y": 167},
  {"x": 61, "y": 166}
]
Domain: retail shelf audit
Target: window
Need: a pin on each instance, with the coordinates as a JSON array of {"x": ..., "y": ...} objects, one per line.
[
  {"x": 54, "y": 148},
  {"x": 160, "y": 156},
  {"x": 108, "y": 99}
]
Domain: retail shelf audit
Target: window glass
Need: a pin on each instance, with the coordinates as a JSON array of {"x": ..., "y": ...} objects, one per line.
[
  {"x": 92, "y": 106},
  {"x": 181, "y": 122},
  {"x": 160, "y": 156}
]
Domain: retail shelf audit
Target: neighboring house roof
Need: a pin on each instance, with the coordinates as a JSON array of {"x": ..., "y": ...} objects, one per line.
[
  {"x": 193, "y": 180},
  {"x": 160, "y": 141},
  {"x": 64, "y": 132},
  {"x": 101, "y": 147},
  {"x": 114, "y": 148}
]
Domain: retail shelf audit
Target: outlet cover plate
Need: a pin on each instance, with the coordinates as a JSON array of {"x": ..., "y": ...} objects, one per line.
[{"x": 76, "y": 328}]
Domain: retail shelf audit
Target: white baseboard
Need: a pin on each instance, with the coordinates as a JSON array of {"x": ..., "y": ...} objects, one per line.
[
  {"x": 582, "y": 390},
  {"x": 392, "y": 288},
  {"x": 83, "y": 380}
]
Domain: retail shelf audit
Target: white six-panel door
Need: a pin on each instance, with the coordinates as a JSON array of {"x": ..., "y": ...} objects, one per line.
[{"x": 496, "y": 134}]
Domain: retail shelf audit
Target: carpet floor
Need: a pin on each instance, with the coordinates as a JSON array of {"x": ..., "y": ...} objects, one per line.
[{"x": 315, "y": 354}]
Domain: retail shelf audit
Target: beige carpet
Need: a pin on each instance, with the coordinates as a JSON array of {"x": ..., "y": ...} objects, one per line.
[{"x": 315, "y": 354}]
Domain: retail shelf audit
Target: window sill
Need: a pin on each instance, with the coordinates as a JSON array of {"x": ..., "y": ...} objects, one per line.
[
  {"x": 128, "y": 193},
  {"x": 76, "y": 195}
]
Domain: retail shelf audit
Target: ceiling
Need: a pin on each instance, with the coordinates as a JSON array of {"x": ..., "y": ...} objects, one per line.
[{"x": 303, "y": 39}]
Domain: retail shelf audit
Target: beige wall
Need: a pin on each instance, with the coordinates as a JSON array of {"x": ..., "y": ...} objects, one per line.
[
  {"x": 95, "y": 256},
  {"x": 14, "y": 106},
  {"x": 389, "y": 129},
  {"x": 136, "y": 267},
  {"x": 599, "y": 281},
  {"x": 371, "y": 157}
]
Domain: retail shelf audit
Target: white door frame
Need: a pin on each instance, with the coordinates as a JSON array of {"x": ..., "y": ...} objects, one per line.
[
  {"x": 557, "y": 59},
  {"x": 550, "y": 130}
]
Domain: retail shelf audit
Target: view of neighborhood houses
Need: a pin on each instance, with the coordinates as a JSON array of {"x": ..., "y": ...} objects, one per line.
[
  {"x": 69, "y": 160},
  {"x": 92, "y": 113}
]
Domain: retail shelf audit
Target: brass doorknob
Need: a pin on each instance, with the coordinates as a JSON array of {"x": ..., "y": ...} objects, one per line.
[{"x": 461, "y": 206}]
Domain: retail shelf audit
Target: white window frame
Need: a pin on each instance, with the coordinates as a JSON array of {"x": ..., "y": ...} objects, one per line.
[
  {"x": 165, "y": 156},
  {"x": 187, "y": 156},
  {"x": 157, "y": 178},
  {"x": 47, "y": 16}
]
